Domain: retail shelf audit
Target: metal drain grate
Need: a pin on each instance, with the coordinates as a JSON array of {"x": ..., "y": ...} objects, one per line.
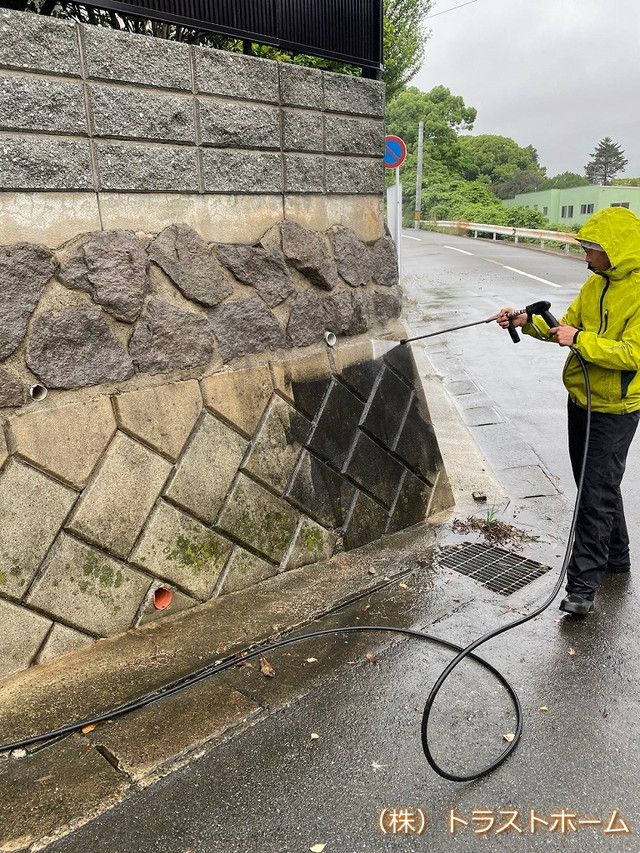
[{"x": 498, "y": 570}]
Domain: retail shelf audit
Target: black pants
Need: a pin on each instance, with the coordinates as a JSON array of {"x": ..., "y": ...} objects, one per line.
[{"x": 601, "y": 539}]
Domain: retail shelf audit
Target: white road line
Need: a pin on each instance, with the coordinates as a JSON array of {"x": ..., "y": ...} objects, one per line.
[
  {"x": 505, "y": 267},
  {"x": 462, "y": 251},
  {"x": 406, "y": 237},
  {"x": 528, "y": 275}
]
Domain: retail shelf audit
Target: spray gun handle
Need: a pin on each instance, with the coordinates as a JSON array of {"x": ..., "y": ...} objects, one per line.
[
  {"x": 515, "y": 337},
  {"x": 542, "y": 310}
]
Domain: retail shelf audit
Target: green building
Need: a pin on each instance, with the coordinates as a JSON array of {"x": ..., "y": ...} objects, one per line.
[{"x": 574, "y": 206}]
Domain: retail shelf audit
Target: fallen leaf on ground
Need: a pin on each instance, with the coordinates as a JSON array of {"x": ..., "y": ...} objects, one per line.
[
  {"x": 311, "y": 660},
  {"x": 266, "y": 668},
  {"x": 543, "y": 708},
  {"x": 571, "y": 652},
  {"x": 366, "y": 606},
  {"x": 314, "y": 736},
  {"x": 403, "y": 586},
  {"x": 90, "y": 728},
  {"x": 244, "y": 663},
  {"x": 317, "y": 848},
  {"x": 509, "y": 737},
  {"x": 371, "y": 658}
]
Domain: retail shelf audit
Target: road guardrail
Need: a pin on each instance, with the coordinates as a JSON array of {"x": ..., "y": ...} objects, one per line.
[{"x": 516, "y": 234}]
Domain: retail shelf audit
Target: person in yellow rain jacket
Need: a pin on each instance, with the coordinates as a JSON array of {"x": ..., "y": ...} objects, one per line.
[{"x": 603, "y": 325}]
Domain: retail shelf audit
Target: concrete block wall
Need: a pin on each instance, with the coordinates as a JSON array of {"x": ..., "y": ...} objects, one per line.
[{"x": 90, "y": 118}]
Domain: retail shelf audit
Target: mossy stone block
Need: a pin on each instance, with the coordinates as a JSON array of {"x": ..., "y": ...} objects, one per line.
[
  {"x": 33, "y": 508},
  {"x": 259, "y": 519},
  {"x": 114, "y": 507},
  {"x": 312, "y": 544},
  {"x": 278, "y": 445},
  {"x": 86, "y": 588},
  {"x": 207, "y": 468},
  {"x": 180, "y": 549},
  {"x": 246, "y": 569}
]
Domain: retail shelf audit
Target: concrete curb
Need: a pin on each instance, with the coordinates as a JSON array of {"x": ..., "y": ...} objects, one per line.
[{"x": 468, "y": 470}]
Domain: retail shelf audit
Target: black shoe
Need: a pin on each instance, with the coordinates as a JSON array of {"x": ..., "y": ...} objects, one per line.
[
  {"x": 578, "y": 605},
  {"x": 618, "y": 570}
]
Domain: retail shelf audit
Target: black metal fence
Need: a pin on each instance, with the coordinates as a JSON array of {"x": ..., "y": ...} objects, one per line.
[{"x": 345, "y": 30}]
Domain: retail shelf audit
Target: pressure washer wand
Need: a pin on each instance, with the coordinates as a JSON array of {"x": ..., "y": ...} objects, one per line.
[{"x": 514, "y": 335}]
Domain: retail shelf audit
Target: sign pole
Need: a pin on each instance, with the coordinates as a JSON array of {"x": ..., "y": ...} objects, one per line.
[
  {"x": 395, "y": 151},
  {"x": 418, "y": 210},
  {"x": 398, "y": 235}
]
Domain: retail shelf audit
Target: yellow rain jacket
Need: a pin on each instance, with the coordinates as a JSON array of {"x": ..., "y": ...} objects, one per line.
[{"x": 607, "y": 312}]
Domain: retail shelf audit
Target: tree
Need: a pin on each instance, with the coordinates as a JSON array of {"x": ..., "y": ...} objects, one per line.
[
  {"x": 460, "y": 200},
  {"x": 404, "y": 41},
  {"x": 625, "y": 182},
  {"x": 606, "y": 161},
  {"x": 564, "y": 181},
  {"x": 509, "y": 168},
  {"x": 525, "y": 217},
  {"x": 443, "y": 115}
]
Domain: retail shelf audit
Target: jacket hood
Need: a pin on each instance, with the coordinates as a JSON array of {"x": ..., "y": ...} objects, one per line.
[{"x": 617, "y": 230}]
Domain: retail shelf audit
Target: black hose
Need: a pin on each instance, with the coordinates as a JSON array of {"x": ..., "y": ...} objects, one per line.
[
  {"x": 466, "y": 652},
  {"x": 463, "y": 653}
]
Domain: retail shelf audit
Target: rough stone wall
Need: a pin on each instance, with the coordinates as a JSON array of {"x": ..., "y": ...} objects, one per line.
[
  {"x": 111, "y": 305},
  {"x": 104, "y": 114}
]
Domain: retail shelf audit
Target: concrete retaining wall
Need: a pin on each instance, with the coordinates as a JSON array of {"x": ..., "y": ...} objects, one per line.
[{"x": 179, "y": 228}]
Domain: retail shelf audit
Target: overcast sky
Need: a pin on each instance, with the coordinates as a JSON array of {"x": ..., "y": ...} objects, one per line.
[{"x": 556, "y": 74}]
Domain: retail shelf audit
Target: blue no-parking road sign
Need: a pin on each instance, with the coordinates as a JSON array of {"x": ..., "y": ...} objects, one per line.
[{"x": 395, "y": 151}]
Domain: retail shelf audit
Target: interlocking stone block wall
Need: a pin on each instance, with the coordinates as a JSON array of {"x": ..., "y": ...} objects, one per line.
[
  {"x": 203, "y": 487},
  {"x": 197, "y": 433}
]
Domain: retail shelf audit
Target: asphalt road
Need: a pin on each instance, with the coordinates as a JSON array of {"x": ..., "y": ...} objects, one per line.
[{"x": 572, "y": 783}]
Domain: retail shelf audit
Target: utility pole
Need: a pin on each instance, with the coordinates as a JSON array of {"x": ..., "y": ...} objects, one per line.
[{"x": 418, "y": 211}]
